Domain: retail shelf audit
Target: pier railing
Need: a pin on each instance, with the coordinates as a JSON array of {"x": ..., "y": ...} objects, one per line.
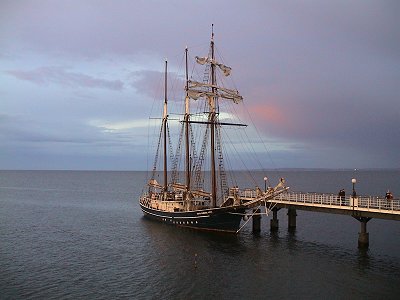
[{"x": 364, "y": 202}]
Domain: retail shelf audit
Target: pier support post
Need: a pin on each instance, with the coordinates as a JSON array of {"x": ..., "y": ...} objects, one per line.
[
  {"x": 274, "y": 223},
  {"x": 256, "y": 220},
  {"x": 291, "y": 218},
  {"x": 363, "y": 235}
]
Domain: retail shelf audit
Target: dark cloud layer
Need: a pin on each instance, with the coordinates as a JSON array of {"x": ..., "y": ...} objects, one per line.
[{"x": 59, "y": 75}]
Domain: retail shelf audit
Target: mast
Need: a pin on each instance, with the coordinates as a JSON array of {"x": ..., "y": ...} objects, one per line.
[
  {"x": 165, "y": 116},
  {"x": 212, "y": 117},
  {"x": 186, "y": 122},
  {"x": 209, "y": 89}
]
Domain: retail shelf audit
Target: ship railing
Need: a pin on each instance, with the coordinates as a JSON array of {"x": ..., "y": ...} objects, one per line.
[
  {"x": 368, "y": 202},
  {"x": 159, "y": 196},
  {"x": 248, "y": 194},
  {"x": 177, "y": 198}
]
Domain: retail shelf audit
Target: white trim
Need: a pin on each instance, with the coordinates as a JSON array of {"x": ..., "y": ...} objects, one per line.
[{"x": 160, "y": 216}]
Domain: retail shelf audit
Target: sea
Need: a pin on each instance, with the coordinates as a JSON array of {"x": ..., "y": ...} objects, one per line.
[{"x": 82, "y": 235}]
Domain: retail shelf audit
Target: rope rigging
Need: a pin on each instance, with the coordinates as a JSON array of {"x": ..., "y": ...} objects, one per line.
[
  {"x": 225, "y": 146},
  {"x": 157, "y": 153}
]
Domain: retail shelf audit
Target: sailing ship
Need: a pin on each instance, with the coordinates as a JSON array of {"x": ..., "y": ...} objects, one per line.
[{"x": 193, "y": 196}]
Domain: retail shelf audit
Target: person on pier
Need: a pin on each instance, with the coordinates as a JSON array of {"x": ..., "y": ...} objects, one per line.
[
  {"x": 389, "y": 195},
  {"x": 342, "y": 196}
]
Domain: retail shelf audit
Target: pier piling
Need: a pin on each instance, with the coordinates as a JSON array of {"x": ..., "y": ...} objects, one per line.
[
  {"x": 274, "y": 223},
  {"x": 256, "y": 220},
  {"x": 291, "y": 218},
  {"x": 363, "y": 235}
]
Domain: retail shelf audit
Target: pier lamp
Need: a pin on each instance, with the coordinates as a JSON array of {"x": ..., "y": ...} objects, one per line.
[
  {"x": 265, "y": 183},
  {"x": 353, "y": 181}
]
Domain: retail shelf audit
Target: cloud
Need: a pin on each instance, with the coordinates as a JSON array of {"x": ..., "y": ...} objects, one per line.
[
  {"x": 148, "y": 82},
  {"x": 269, "y": 113},
  {"x": 319, "y": 78},
  {"x": 68, "y": 138},
  {"x": 122, "y": 126},
  {"x": 60, "y": 76}
]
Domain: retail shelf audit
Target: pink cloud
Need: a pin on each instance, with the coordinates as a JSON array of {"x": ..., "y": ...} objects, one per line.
[
  {"x": 59, "y": 75},
  {"x": 280, "y": 119},
  {"x": 269, "y": 113}
]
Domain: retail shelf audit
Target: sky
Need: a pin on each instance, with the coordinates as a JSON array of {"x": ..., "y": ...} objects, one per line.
[{"x": 321, "y": 79}]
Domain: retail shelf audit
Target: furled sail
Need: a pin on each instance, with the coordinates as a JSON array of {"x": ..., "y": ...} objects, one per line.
[
  {"x": 220, "y": 92},
  {"x": 153, "y": 182},
  {"x": 203, "y": 60},
  {"x": 225, "y": 69},
  {"x": 235, "y": 98},
  {"x": 198, "y": 94},
  {"x": 178, "y": 186}
]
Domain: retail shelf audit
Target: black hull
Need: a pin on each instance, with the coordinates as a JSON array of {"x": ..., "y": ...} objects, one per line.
[{"x": 225, "y": 219}]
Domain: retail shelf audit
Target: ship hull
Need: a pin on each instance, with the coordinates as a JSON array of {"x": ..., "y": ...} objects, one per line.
[{"x": 225, "y": 219}]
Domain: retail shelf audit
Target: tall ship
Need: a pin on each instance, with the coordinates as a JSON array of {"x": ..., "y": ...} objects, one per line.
[{"x": 193, "y": 186}]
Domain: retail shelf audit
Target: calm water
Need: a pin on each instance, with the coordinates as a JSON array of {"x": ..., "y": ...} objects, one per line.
[{"x": 68, "y": 235}]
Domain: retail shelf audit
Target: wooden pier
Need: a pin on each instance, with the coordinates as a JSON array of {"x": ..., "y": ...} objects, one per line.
[{"x": 362, "y": 208}]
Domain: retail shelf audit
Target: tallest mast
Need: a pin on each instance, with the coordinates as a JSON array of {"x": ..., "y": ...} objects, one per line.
[
  {"x": 186, "y": 122},
  {"x": 212, "y": 119},
  {"x": 165, "y": 117}
]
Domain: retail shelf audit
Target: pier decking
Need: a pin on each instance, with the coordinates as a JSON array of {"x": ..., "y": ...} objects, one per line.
[
  {"x": 359, "y": 206},
  {"x": 362, "y": 208}
]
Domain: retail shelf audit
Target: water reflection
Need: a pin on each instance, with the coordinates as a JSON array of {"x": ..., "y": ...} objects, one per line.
[
  {"x": 363, "y": 259},
  {"x": 189, "y": 243}
]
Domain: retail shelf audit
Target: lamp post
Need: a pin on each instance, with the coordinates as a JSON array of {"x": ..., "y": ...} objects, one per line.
[
  {"x": 354, "y": 181},
  {"x": 265, "y": 183}
]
